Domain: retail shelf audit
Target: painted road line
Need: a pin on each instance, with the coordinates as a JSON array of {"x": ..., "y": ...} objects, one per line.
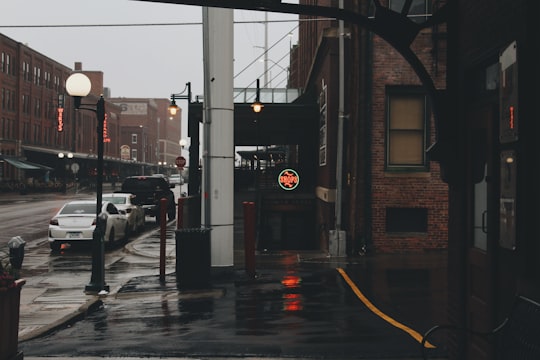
[{"x": 417, "y": 336}]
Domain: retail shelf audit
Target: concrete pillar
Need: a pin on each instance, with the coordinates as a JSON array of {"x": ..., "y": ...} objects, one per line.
[{"x": 218, "y": 142}]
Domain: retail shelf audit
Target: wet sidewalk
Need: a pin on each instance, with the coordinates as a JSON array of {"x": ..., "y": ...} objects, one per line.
[{"x": 301, "y": 304}]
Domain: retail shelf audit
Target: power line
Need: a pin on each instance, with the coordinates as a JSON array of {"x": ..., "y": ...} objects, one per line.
[
  {"x": 148, "y": 24},
  {"x": 266, "y": 50}
]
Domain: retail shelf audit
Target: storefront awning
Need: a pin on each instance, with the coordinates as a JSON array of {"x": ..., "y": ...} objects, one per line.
[{"x": 24, "y": 165}]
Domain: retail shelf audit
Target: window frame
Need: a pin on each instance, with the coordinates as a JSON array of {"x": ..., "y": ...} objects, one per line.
[
  {"x": 417, "y": 18},
  {"x": 401, "y": 91}
]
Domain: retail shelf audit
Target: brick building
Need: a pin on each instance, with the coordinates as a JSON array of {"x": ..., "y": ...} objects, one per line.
[
  {"x": 392, "y": 197},
  {"x": 39, "y": 127},
  {"x": 149, "y": 134},
  {"x": 30, "y": 83}
]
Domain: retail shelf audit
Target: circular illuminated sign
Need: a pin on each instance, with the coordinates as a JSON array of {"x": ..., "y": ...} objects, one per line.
[{"x": 288, "y": 179}]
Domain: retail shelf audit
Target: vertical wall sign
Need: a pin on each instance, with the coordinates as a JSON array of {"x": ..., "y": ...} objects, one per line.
[
  {"x": 508, "y": 133},
  {"x": 60, "y": 113},
  {"x": 508, "y": 92},
  {"x": 106, "y": 138},
  {"x": 323, "y": 118},
  {"x": 507, "y": 206}
]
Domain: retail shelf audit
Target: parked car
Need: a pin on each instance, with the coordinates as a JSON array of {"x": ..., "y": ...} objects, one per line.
[
  {"x": 148, "y": 191},
  {"x": 176, "y": 179},
  {"x": 75, "y": 222},
  {"x": 134, "y": 212}
]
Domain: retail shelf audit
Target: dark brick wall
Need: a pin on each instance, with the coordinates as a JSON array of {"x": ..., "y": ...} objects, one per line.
[{"x": 407, "y": 189}]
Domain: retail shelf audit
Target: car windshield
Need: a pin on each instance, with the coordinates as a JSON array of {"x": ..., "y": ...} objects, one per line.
[
  {"x": 115, "y": 200},
  {"x": 79, "y": 209}
]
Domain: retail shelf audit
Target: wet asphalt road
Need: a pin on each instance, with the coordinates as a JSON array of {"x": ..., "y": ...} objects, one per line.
[{"x": 292, "y": 310}]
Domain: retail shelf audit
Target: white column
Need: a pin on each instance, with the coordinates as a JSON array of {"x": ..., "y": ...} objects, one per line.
[{"x": 218, "y": 143}]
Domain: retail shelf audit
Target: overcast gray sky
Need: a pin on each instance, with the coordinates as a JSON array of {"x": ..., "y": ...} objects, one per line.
[{"x": 145, "y": 61}]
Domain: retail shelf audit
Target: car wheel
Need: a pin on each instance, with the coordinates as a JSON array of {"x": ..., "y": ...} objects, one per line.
[
  {"x": 55, "y": 246},
  {"x": 142, "y": 223},
  {"x": 127, "y": 232},
  {"x": 111, "y": 237}
]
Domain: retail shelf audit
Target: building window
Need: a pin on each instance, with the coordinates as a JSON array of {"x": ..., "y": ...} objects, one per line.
[
  {"x": 406, "y": 220},
  {"x": 56, "y": 83},
  {"x": 7, "y": 64},
  {"x": 406, "y": 129},
  {"x": 26, "y": 104},
  {"x": 11, "y": 100},
  {"x": 133, "y": 138},
  {"x": 26, "y": 71},
  {"x": 26, "y": 131},
  {"x": 419, "y": 11},
  {"x": 37, "y": 75},
  {"x": 47, "y": 79},
  {"x": 134, "y": 154},
  {"x": 37, "y": 107}
]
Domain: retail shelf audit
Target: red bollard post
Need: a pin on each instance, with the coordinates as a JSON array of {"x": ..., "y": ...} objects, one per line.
[
  {"x": 162, "y": 237},
  {"x": 249, "y": 237},
  {"x": 180, "y": 216}
]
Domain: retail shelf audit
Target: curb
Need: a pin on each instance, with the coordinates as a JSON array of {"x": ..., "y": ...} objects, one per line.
[{"x": 85, "y": 309}]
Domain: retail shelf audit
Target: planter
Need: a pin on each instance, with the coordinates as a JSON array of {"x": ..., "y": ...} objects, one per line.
[{"x": 10, "y": 300}]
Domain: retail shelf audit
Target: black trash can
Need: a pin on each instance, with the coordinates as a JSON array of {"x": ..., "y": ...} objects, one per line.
[{"x": 193, "y": 257}]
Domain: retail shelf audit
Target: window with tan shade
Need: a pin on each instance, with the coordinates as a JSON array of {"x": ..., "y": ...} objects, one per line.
[{"x": 406, "y": 130}]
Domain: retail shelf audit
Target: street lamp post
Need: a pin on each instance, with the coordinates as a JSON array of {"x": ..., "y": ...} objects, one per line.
[
  {"x": 78, "y": 85},
  {"x": 257, "y": 107},
  {"x": 193, "y": 182}
]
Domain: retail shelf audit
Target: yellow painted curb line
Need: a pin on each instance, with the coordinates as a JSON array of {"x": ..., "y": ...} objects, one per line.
[{"x": 379, "y": 313}]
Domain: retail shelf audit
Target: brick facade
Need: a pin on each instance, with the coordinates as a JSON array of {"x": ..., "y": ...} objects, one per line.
[
  {"x": 30, "y": 85},
  {"x": 371, "y": 66},
  {"x": 407, "y": 189}
]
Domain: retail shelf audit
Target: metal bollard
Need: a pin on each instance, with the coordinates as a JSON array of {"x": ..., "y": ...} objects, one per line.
[{"x": 162, "y": 238}]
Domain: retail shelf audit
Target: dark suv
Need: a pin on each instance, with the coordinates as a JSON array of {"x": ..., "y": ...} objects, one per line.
[{"x": 148, "y": 191}]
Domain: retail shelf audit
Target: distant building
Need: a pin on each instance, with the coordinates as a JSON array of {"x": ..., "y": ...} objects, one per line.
[
  {"x": 149, "y": 132},
  {"x": 44, "y": 141}
]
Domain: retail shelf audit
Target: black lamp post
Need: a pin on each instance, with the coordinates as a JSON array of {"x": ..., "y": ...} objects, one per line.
[
  {"x": 257, "y": 107},
  {"x": 193, "y": 168},
  {"x": 78, "y": 85}
]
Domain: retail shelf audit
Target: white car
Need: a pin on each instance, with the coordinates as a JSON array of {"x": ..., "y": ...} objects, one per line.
[
  {"x": 76, "y": 220},
  {"x": 176, "y": 179},
  {"x": 134, "y": 213}
]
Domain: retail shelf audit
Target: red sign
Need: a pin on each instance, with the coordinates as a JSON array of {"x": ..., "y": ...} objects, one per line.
[
  {"x": 180, "y": 161},
  {"x": 60, "y": 118},
  {"x": 106, "y": 137},
  {"x": 288, "y": 179}
]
